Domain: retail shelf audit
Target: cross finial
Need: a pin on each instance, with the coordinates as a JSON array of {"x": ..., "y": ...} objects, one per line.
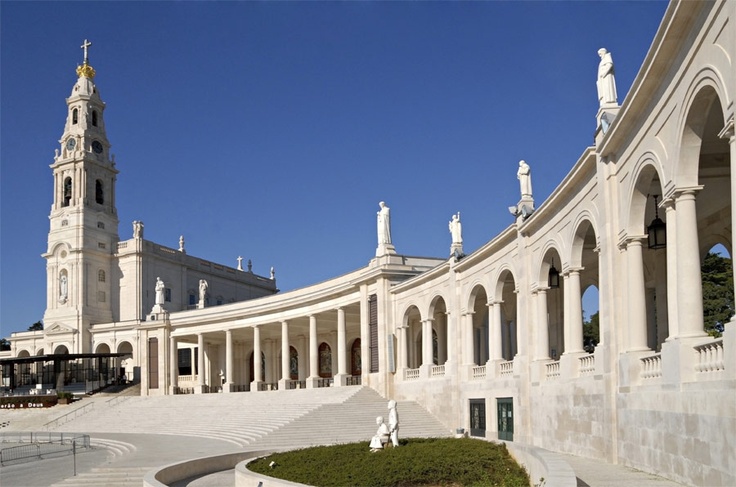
[{"x": 85, "y": 46}]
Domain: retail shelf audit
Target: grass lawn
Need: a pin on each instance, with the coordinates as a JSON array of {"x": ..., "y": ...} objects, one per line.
[{"x": 417, "y": 462}]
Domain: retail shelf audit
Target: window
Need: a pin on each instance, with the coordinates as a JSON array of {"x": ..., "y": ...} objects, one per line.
[
  {"x": 101, "y": 225},
  {"x": 101, "y": 296},
  {"x": 99, "y": 193},
  {"x": 101, "y": 245},
  {"x": 219, "y": 300},
  {"x": 67, "y": 195},
  {"x": 75, "y": 116},
  {"x": 167, "y": 297},
  {"x": 192, "y": 299},
  {"x": 94, "y": 118},
  {"x": 101, "y": 275}
]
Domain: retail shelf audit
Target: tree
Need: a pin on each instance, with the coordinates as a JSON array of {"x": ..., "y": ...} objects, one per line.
[
  {"x": 37, "y": 326},
  {"x": 717, "y": 276},
  {"x": 4, "y": 344},
  {"x": 591, "y": 332}
]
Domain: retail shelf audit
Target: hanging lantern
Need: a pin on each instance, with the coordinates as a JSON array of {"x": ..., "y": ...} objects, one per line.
[
  {"x": 657, "y": 230},
  {"x": 554, "y": 277}
]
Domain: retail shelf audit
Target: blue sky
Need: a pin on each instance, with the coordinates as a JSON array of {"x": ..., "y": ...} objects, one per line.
[{"x": 271, "y": 130}]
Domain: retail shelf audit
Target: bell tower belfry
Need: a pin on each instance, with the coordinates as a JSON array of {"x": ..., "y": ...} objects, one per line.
[{"x": 83, "y": 234}]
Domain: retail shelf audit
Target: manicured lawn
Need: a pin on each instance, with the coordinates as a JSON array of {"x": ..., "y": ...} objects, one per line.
[{"x": 417, "y": 462}]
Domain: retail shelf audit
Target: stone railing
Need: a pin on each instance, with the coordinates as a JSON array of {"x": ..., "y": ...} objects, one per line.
[
  {"x": 506, "y": 368},
  {"x": 651, "y": 366},
  {"x": 479, "y": 372},
  {"x": 353, "y": 380},
  {"x": 411, "y": 374},
  {"x": 552, "y": 370},
  {"x": 295, "y": 384},
  {"x": 325, "y": 382},
  {"x": 587, "y": 364},
  {"x": 709, "y": 356},
  {"x": 438, "y": 371}
]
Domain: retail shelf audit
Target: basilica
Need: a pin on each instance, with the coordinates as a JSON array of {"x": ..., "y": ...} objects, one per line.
[{"x": 490, "y": 342}]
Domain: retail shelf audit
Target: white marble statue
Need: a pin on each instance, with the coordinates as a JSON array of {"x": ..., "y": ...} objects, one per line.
[
  {"x": 384, "y": 224},
  {"x": 393, "y": 423},
  {"x": 63, "y": 288},
  {"x": 240, "y": 263},
  {"x": 606, "y": 83},
  {"x": 524, "y": 175},
  {"x": 160, "y": 287},
  {"x": 456, "y": 229},
  {"x": 181, "y": 243},
  {"x": 381, "y": 437},
  {"x": 203, "y": 286},
  {"x": 137, "y": 229}
]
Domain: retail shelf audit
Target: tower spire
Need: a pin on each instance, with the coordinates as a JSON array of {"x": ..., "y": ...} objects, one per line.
[{"x": 86, "y": 70}]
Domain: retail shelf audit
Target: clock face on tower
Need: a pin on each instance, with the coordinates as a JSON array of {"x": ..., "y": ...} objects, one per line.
[
  {"x": 97, "y": 147},
  {"x": 70, "y": 144}
]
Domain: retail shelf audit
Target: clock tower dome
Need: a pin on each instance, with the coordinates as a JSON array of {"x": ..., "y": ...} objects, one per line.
[{"x": 83, "y": 235}]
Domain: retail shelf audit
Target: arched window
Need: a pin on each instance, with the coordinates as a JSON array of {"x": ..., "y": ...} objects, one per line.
[
  {"x": 293, "y": 364},
  {"x": 75, "y": 116},
  {"x": 67, "y": 197},
  {"x": 99, "y": 193},
  {"x": 325, "y": 360},
  {"x": 101, "y": 275},
  {"x": 94, "y": 118}
]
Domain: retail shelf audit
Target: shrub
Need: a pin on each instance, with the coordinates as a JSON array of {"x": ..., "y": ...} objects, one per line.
[{"x": 435, "y": 461}]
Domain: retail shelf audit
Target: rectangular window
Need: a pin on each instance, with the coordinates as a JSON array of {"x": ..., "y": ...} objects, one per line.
[
  {"x": 185, "y": 361},
  {"x": 168, "y": 295},
  {"x": 101, "y": 245},
  {"x": 153, "y": 363},
  {"x": 192, "y": 300},
  {"x": 373, "y": 331}
]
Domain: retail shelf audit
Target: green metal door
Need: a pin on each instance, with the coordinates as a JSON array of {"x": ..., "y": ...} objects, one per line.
[
  {"x": 478, "y": 417},
  {"x": 505, "y": 407}
]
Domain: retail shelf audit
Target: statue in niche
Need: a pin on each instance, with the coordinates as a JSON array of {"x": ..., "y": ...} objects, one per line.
[
  {"x": 524, "y": 175},
  {"x": 203, "y": 286},
  {"x": 63, "y": 289},
  {"x": 393, "y": 423},
  {"x": 606, "y": 83},
  {"x": 160, "y": 290},
  {"x": 384, "y": 224},
  {"x": 456, "y": 229},
  {"x": 381, "y": 437}
]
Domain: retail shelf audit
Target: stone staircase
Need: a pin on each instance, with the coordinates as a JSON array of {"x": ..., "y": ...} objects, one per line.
[
  {"x": 107, "y": 476},
  {"x": 353, "y": 420}
]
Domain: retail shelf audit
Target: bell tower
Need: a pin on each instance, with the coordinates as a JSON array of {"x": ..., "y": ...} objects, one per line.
[{"x": 83, "y": 234}]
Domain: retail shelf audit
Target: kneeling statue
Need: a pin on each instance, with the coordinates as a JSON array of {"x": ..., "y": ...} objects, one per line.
[{"x": 381, "y": 437}]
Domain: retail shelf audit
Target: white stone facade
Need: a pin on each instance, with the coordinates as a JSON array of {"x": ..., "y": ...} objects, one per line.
[{"x": 657, "y": 393}]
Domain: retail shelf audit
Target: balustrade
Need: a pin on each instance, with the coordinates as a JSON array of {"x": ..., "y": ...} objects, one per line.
[
  {"x": 651, "y": 366},
  {"x": 506, "y": 368},
  {"x": 553, "y": 370},
  {"x": 587, "y": 364},
  {"x": 479, "y": 372},
  {"x": 709, "y": 356},
  {"x": 438, "y": 370},
  {"x": 411, "y": 374}
]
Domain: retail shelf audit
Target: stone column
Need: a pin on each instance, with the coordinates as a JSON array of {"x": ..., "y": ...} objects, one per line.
[
  {"x": 200, "y": 364},
  {"x": 574, "y": 313},
  {"x": 257, "y": 365},
  {"x": 521, "y": 325},
  {"x": 729, "y": 133},
  {"x": 466, "y": 336},
  {"x": 689, "y": 289},
  {"x": 342, "y": 368},
  {"x": 673, "y": 329},
  {"x": 637, "y": 310},
  {"x": 427, "y": 352},
  {"x": 542, "y": 352},
  {"x": 495, "y": 341},
  {"x": 442, "y": 349},
  {"x": 173, "y": 365},
  {"x": 229, "y": 363},
  {"x": 313, "y": 353},
  {"x": 285, "y": 352},
  {"x": 403, "y": 347}
]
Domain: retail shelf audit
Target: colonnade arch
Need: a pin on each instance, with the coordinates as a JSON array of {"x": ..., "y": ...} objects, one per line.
[{"x": 477, "y": 328}]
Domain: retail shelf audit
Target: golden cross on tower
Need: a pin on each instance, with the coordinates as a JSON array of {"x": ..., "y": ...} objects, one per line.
[{"x": 85, "y": 46}]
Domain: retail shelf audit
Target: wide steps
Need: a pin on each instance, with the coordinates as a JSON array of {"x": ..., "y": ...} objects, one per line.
[{"x": 108, "y": 476}]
